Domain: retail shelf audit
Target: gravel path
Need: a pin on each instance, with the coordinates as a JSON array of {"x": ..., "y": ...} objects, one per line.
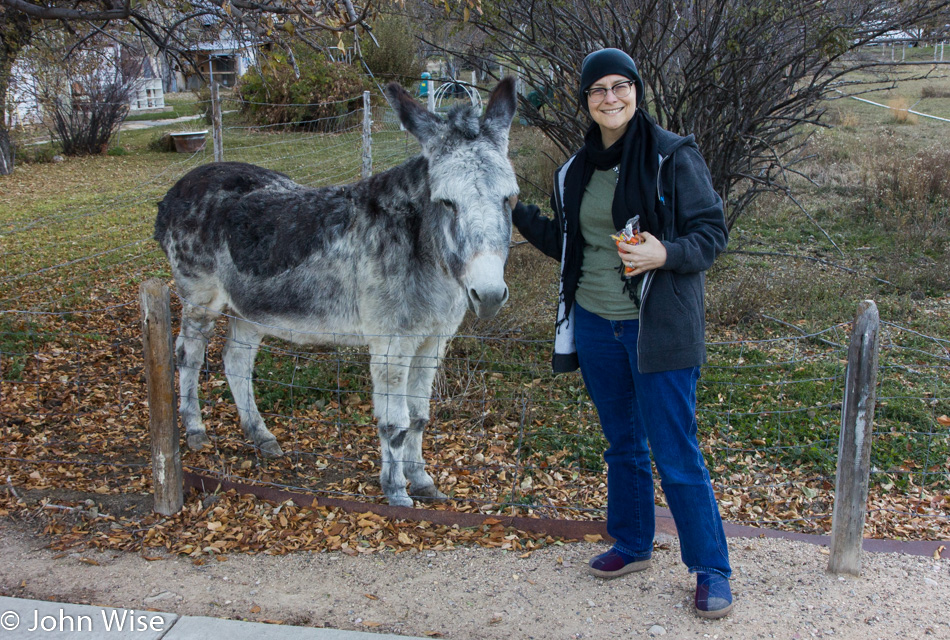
[{"x": 782, "y": 591}]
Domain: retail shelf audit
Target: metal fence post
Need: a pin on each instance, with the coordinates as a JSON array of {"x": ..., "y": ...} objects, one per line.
[
  {"x": 163, "y": 416},
  {"x": 217, "y": 135},
  {"x": 854, "y": 443},
  {"x": 367, "y": 137}
]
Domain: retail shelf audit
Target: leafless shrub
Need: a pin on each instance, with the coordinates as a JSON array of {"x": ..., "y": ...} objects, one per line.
[
  {"x": 932, "y": 91},
  {"x": 839, "y": 117},
  {"x": 900, "y": 111},
  {"x": 85, "y": 98}
]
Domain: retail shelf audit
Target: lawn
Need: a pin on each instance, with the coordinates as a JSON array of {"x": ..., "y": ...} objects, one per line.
[{"x": 508, "y": 437}]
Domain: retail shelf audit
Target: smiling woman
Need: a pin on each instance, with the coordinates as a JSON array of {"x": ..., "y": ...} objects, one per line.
[
  {"x": 612, "y": 102},
  {"x": 631, "y": 316}
]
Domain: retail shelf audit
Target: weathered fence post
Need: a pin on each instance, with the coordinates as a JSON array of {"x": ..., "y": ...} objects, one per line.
[
  {"x": 430, "y": 95},
  {"x": 367, "y": 137},
  {"x": 217, "y": 135},
  {"x": 160, "y": 376},
  {"x": 854, "y": 443}
]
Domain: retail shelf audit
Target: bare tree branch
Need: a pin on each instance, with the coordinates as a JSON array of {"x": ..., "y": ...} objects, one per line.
[
  {"x": 45, "y": 12},
  {"x": 746, "y": 77}
]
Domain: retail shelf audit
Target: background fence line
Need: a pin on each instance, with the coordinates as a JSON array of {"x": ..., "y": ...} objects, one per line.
[{"x": 506, "y": 435}]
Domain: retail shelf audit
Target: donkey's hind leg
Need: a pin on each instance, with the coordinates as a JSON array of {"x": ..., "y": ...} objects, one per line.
[
  {"x": 425, "y": 365},
  {"x": 239, "y": 353},
  {"x": 197, "y": 325}
]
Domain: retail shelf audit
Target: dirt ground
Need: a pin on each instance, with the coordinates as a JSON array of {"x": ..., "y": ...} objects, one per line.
[{"x": 781, "y": 589}]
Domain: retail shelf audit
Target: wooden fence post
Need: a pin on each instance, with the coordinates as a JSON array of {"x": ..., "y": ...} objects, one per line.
[
  {"x": 854, "y": 443},
  {"x": 367, "y": 137},
  {"x": 217, "y": 135},
  {"x": 163, "y": 416}
]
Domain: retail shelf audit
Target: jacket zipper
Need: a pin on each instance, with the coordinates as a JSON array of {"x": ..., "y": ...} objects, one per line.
[{"x": 649, "y": 276}]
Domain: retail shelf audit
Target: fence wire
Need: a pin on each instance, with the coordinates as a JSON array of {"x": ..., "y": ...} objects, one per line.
[{"x": 506, "y": 437}]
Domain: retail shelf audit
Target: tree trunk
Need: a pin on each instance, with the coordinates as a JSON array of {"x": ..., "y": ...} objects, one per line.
[{"x": 15, "y": 33}]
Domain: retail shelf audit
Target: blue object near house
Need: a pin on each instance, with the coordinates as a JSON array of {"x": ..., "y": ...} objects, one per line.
[{"x": 424, "y": 85}]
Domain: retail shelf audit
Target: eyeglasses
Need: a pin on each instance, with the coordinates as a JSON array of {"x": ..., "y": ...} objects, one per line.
[{"x": 621, "y": 90}]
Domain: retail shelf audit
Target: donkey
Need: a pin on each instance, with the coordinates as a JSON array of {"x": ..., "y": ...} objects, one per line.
[{"x": 392, "y": 262}]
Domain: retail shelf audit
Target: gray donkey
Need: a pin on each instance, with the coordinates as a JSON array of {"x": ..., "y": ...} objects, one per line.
[{"x": 391, "y": 262}]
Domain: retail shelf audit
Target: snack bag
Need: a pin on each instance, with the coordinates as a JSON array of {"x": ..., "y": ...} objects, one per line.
[{"x": 629, "y": 234}]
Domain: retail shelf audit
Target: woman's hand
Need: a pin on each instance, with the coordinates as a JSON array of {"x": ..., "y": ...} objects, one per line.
[{"x": 649, "y": 254}]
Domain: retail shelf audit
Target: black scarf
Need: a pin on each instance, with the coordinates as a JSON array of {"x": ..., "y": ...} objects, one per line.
[{"x": 636, "y": 193}]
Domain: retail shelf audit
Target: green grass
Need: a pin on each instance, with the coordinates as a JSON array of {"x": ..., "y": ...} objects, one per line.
[
  {"x": 19, "y": 341},
  {"x": 289, "y": 379},
  {"x": 176, "y": 106}
]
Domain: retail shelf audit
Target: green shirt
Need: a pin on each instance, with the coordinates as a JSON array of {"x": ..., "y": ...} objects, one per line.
[{"x": 600, "y": 289}]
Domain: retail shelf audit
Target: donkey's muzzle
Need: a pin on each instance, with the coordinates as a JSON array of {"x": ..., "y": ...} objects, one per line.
[
  {"x": 484, "y": 282},
  {"x": 486, "y": 304}
]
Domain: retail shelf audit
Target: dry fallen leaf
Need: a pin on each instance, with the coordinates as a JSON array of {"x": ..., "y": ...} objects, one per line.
[
  {"x": 944, "y": 420},
  {"x": 255, "y": 609},
  {"x": 371, "y": 596},
  {"x": 938, "y": 552},
  {"x": 593, "y": 537}
]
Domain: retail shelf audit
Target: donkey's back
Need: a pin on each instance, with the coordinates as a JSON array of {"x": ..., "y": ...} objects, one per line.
[{"x": 261, "y": 244}]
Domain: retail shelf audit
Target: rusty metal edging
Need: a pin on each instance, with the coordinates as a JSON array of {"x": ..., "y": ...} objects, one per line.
[{"x": 576, "y": 529}]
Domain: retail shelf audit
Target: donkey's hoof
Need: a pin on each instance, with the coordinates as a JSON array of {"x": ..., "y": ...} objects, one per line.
[
  {"x": 428, "y": 494},
  {"x": 271, "y": 449},
  {"x": 198, "y": 441},
  {"x": 400, "y": 501}
]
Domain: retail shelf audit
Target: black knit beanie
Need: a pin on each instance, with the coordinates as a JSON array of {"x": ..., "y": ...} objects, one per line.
[{"x": 604, "y": 63}]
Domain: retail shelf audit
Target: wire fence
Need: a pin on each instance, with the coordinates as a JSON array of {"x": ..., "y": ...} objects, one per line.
[{"x": 506, "y": 436}]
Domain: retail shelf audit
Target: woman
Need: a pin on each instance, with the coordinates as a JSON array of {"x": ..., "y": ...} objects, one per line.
[{"x": 631, "y": 316}]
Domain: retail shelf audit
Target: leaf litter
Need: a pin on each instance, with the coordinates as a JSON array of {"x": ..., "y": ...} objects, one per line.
[{"x": 78, "y": 422}]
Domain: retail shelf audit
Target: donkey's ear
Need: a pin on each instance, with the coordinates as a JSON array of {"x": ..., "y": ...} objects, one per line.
[
  {"x": 413, "y": 116},
  {"x": 502, "y": 104}
]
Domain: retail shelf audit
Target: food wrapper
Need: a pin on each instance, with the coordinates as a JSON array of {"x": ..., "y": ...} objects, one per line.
[{"x": 629, "y": 234}]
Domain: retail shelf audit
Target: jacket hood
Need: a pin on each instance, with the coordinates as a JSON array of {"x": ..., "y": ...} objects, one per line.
[{"x": 668, "y": 142}]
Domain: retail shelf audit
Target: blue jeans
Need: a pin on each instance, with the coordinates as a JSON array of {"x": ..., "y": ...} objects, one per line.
[{"x": 640, "y": 412}]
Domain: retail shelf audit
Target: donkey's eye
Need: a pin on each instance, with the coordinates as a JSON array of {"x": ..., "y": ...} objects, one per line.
[{"x": 448, "y": 204}]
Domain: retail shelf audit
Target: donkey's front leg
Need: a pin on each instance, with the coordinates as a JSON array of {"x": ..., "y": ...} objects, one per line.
[
  {"x": 425, "y": 365},
  {"x": 239, "y": 353},
  {"x": 389, "y": 366}
]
